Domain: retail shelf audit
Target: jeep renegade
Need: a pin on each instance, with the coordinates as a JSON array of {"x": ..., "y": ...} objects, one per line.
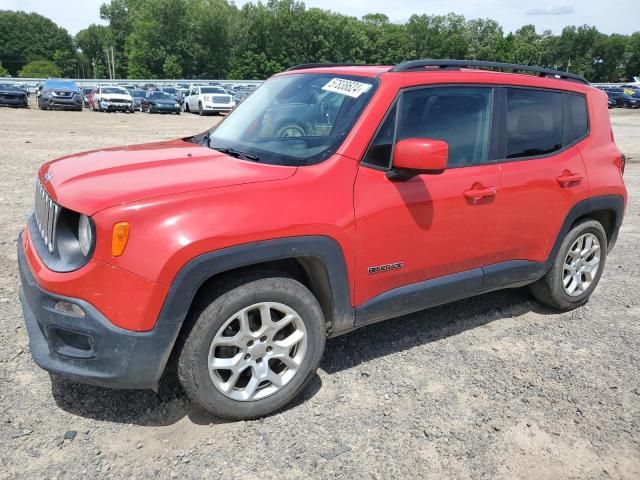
[{"x": 333, "y": 197}]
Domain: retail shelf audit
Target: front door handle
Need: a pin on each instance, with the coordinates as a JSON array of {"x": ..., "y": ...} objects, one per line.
[
  {"x": 475, "y": 194},
  {"x": 567, "y": 178}
]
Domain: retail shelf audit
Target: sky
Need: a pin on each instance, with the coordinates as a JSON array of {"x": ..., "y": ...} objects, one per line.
[{"x": 75, "y": 15}]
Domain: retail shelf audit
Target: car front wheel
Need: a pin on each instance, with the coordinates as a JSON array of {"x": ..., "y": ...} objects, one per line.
[
  {"x": 576, "y": 269},
  {"x": 254, "y": 348}
]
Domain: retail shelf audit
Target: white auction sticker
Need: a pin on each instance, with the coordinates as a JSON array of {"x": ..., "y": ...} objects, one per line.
[{"x": 350, "y": 88}]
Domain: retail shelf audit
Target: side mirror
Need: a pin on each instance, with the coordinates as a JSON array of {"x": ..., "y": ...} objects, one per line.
[{"x": 415, "y": 156}]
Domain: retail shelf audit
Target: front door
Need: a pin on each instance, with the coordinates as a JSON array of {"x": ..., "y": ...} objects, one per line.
[{"x": 431, "y": 225}]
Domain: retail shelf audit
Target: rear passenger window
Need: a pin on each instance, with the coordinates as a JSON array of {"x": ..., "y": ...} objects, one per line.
[
  {"x": 534, "y": 122},
  {"x": 576, "y": 118}
]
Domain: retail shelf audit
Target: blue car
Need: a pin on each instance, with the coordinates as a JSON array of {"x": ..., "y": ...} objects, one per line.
[{"x": 60, "y": 94}]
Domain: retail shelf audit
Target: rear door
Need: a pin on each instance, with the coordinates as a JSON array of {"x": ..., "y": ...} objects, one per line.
[
  {"x": 543, "y": 174},
  {"x": 431, "y": 225}
]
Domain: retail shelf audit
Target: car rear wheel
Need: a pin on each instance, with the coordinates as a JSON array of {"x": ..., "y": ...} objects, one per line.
[
  {"x": 576, "y": 269},
  {"x": 254, "y": 348}
]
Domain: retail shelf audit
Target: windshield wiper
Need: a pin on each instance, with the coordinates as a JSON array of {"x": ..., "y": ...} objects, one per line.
[{"x": 238, "y": 154}]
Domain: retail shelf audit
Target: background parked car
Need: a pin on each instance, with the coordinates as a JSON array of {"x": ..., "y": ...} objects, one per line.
[
  {"x": 138, "y": 95},
  {"x": 622, "y": 99},
  {"x": 111, "y": 98},
  {"x": 206, "y": 99},
  {"x": 86, "y": 93},
  {"x": 156, "y": 101},
  {"x": 12, "y": 96},
  {"x": 62, "y": 94}
]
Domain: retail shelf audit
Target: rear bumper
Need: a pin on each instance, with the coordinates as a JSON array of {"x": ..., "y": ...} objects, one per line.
[{"x": 89, "y": 348}]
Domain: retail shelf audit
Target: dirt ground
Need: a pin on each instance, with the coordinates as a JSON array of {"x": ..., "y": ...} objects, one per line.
[{"x": 492, "y": 387}]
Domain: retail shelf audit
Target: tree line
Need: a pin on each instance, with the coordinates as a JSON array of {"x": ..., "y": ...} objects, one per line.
[{"x": 216, "y": 39}]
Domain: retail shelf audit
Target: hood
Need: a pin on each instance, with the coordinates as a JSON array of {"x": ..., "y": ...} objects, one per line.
[{"x": 91, "y": 181}]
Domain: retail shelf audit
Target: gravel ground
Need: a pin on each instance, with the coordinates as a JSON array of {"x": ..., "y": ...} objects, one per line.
[{"x": 492, "y": 387}]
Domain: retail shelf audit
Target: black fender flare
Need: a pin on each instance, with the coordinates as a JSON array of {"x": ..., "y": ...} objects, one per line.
[
  {"x": 613, "y": 203},
  {"x": 205, "y": 266}
]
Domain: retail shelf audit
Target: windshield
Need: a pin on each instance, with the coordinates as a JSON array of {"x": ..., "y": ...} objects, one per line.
[
  {"x": 120, "y": 91},
  {"x": 137, "y": 93},
  {"x": 297, "y": 119},
  {"x": 169, "y": 90},
  {"x": 8, "y": 87},
  {"x": 60, "y": 84},
  {"x": 161, "y": 96},
  {"x": 212, "y": 90}
]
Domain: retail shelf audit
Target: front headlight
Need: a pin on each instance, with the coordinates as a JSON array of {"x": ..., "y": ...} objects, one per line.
[
  {"x": 207, "y": 98},
  {"x": 85, "y": 235}
]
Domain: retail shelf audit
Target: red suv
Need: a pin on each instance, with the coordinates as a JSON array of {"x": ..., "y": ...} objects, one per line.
[{"x": 333, "y": 197}]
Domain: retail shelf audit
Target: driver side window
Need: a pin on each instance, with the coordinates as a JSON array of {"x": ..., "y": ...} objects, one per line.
[{"x": 460, "y": 116}]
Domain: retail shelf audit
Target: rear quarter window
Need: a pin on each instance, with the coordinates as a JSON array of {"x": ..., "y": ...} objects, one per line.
[{"x": 576, "y": 117}]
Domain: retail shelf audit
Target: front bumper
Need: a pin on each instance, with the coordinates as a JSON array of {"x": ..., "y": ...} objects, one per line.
[
  {"x": 14, "y": 101},
  {"x": 74, "y": 103},
  {"x": 90, "y": 349},
  {"x": 119, "y": 107},
  {"x": 217, "y": 107},
  {"x": 164, "y": 108}
]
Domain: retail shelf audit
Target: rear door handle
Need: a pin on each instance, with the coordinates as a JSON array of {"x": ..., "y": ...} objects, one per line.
[
  {"x": 476, "y": 194},
  {"x": 567, "y": 178}
]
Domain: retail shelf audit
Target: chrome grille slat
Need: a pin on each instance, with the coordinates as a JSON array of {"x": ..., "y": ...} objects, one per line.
[{"x": 46, "y": 212}]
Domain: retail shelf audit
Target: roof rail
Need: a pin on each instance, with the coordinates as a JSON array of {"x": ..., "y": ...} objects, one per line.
[
  {"x": 456, "y": 64},
  {"x": 305, "y": 66}
]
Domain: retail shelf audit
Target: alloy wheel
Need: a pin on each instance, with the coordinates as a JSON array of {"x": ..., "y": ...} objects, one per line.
[
  {"x": 257, "y": 351},
  {"x": 581, "y": 264}
]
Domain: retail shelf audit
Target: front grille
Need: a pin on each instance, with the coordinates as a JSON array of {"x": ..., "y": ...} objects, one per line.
[
  {"x": 63, "y": 94},
  {"x": 118, "y": 100},
  {"x": 221, "y": 99},
  {"x": 47, "y": 212}
]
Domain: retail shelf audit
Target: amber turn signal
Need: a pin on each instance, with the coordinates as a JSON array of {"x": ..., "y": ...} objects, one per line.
[{"x": 119, "y": 238}]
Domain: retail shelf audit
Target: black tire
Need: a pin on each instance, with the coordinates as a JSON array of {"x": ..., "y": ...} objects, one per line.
[
  {"x": 292, "y": 128},
  {"x": 200, "y": 110},
  {"x": 193, "y": 369},
  {"x": 549, "y": 290}
]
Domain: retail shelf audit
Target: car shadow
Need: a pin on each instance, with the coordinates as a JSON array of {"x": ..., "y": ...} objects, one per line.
[{"x": 170, "y": 404}]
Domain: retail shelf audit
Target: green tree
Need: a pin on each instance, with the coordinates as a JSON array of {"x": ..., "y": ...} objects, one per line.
[
  {"x": 3, "y": 71},
  {"x": 40, "y": 69},
  {"x": 172, "y": 68},
  {"x": 92, "y": 42},
  {"x": 28, "y": 36}
]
